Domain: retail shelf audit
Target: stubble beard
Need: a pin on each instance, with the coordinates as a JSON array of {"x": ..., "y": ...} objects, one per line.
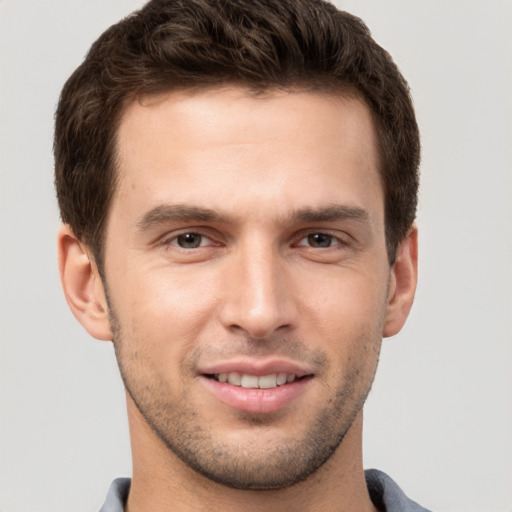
[{"x": 182, "y": 431}]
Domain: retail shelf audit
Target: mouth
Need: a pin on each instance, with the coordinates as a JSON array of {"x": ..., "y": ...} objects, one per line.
[
  {"x": 248, "y": 381},
  {"x": 262, "y": 389}
]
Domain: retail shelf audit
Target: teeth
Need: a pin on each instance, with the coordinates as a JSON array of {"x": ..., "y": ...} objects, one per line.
[
  {"x": 281, "y": 379},
  {"x": 253, "y": 381},
  {"x": 249, "y": 381},
  {"x": 267, "y": 381},
  {"x": 234, "y": 378}
]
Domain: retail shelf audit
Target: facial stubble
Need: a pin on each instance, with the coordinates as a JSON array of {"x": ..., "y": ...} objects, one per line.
[{"x": 275, "y": 466}]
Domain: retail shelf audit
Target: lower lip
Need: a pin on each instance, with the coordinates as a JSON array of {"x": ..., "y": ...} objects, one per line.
[{"x": 262, "y": 401}]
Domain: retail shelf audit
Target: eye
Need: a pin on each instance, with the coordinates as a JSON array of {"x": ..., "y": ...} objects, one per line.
[
  {"x": 190, "y": 240},
  {"x": 319, "y": 241}
]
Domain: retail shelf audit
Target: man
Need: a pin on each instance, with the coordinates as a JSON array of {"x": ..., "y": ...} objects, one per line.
[{"x": 238, "y": 185}]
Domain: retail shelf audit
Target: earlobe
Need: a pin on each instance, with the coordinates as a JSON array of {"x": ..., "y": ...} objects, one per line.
[
  {"x": 82, "y": 285},
  {"x": 402, "y": 287}
]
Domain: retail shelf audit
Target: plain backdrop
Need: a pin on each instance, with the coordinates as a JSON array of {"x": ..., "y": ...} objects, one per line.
[{"x": 439, "y": 418}]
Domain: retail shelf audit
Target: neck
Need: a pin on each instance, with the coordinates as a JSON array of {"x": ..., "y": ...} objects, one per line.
[{"x": 162, "y": 482}]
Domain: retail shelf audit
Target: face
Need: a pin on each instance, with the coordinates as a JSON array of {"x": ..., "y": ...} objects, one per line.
[{"x": 247, "y": 277}]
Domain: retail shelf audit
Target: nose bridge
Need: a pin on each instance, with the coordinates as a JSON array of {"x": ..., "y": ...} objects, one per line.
[{"x": 257, "y": 299}]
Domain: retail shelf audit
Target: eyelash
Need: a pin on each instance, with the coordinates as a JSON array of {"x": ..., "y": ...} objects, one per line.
[
  {"x": 174, "y": 240},
  {"x": 334, "y": 241},
  {"x": 337, "y": 241}
]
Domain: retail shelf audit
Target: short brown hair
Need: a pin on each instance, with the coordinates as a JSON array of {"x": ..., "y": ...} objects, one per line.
[{"x": 256, "y": 44}]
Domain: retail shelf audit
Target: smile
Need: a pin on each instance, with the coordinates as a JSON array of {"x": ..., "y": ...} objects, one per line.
[
  {"x": 248, "y": 381},
  {"x": 257, "y": 390}
]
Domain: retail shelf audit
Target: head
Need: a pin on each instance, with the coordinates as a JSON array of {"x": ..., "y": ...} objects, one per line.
[
  {"x": 238, "y": 183},
  {"x": 199, "y": 44}
]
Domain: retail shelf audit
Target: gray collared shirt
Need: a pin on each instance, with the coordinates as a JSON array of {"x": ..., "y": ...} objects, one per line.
[{"x": 384, "y": 492}]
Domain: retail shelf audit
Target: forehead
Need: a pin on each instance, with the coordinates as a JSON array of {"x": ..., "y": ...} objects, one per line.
[
  {"x": 230, "y": 148},
  {"x": 245, "y": 116}
]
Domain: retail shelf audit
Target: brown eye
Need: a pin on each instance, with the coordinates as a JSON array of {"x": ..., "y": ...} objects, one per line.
[
  {"x": 320, "y": 240},
  {"x": 189, "y": 240}
]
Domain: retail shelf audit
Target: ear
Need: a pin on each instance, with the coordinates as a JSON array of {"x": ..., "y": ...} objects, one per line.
[
  {"x": 402, "y": 285},
  {"x": 82, "y": 285}
]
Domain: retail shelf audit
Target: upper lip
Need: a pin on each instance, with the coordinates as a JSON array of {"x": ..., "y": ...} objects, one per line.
[{"x": 257, "y": 367}]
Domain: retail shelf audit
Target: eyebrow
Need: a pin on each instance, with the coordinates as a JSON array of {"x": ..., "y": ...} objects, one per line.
[
  {"x": 179, "y": 213},
  {"x": 163, "y": 214},
  {"x": 335, "y": 212}
]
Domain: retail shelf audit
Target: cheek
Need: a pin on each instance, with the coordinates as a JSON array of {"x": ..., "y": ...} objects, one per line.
[
  {"x": 347, "y": 300},
  {"x": 163, "y": 313},
  {"x": 346, "y": 317}
]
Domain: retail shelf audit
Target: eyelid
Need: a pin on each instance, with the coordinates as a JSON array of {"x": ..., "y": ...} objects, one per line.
[
  {"x": 170, "y": 239},
  {"x": 339, "y": 238},
  {"x": 203, "y": 237}
]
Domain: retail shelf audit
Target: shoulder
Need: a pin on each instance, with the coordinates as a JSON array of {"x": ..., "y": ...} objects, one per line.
[
  {"x": 117, "y": 494},
  {"x": 384, "y": 492},
  {"x": 387, "y": 496}
]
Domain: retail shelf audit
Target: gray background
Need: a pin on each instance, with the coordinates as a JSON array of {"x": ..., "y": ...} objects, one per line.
[{"x": 439, "y": 419}]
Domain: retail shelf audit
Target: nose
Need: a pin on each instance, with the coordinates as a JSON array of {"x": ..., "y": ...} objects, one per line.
[{"x": 258, "y": 296}]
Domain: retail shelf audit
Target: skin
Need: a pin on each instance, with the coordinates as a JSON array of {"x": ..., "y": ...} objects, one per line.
[{"x": 290, "y": 269}]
